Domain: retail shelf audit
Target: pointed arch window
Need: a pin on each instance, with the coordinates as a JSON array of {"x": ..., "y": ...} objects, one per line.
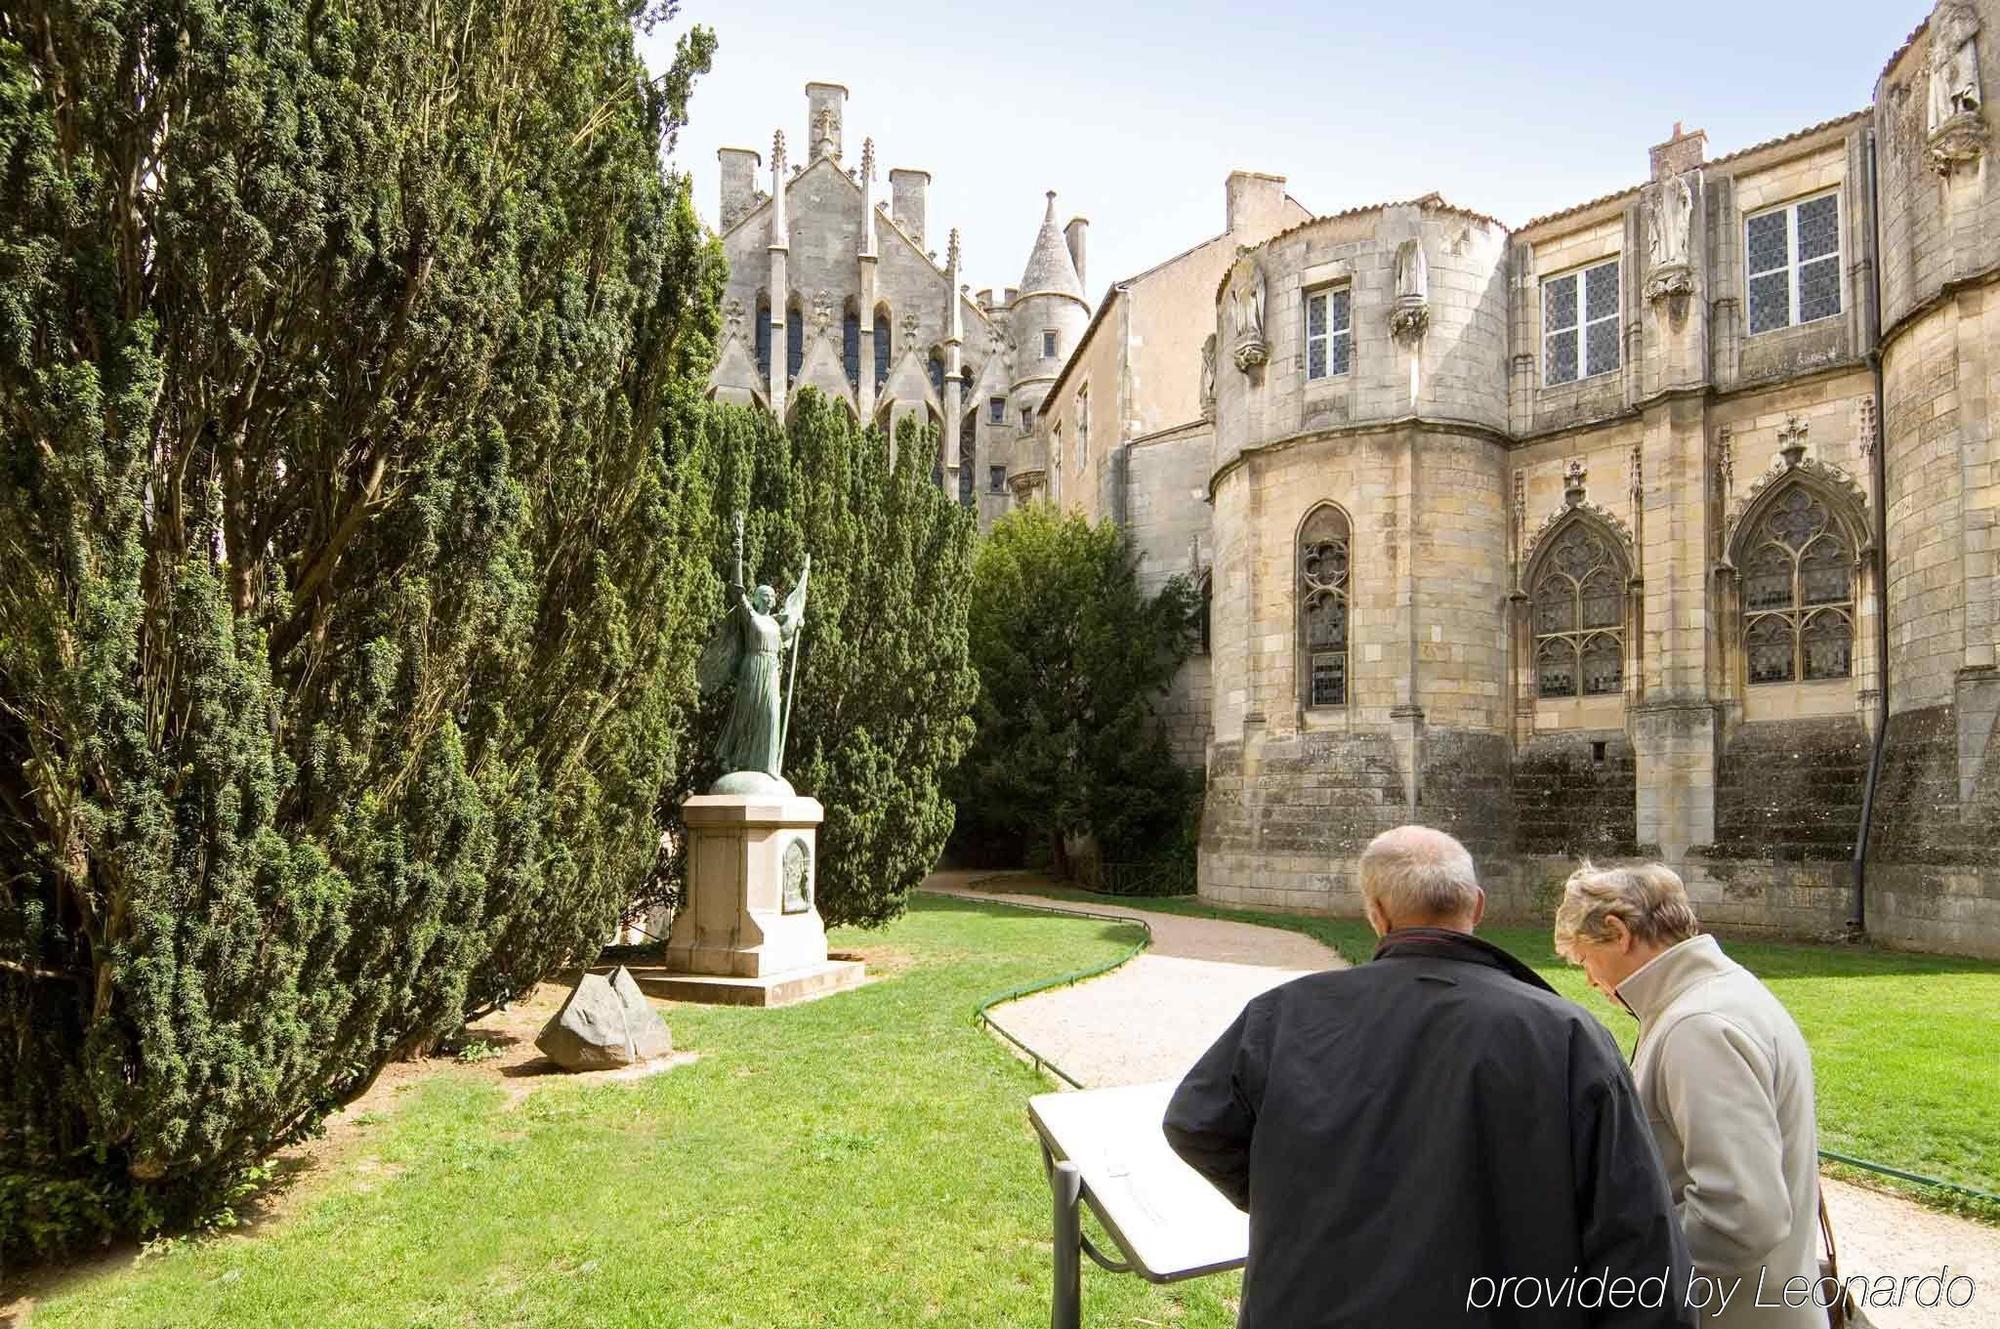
[
  {"x": 1578, "y": 610},
  {"x": 1798, "y": 593},
  {"x": 764, "y": 336},
  {"x": 1205, "y": 624},
  {"x": 850, "y": 346},
  {"x": 1324, "y": 589},
  {"x": 881, "y": 345},
  {"x": 795, "y": 342}
]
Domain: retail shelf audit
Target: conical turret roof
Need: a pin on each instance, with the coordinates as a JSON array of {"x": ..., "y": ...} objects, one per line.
[{"x": 1050, "y": 267}]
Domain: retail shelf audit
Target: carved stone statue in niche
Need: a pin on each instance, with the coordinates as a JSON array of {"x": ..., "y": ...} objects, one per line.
[
  {"x": 1411, "y": 318},
  {"x": 1955, "y": 120},
  {"x": 1670, "y": 221},
  {"x": 1208, "y": 378},
  {"x": 1246, "y": 306}
]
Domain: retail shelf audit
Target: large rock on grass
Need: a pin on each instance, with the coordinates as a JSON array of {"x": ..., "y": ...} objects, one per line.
[{"x": 606, "y": 1023}]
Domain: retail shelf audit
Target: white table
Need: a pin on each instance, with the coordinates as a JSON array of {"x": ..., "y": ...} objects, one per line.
[{"x": 1105, "y": 1147}]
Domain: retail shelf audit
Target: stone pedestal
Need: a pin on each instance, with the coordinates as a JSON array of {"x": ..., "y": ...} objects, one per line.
[{"x": 750, "y": 932}]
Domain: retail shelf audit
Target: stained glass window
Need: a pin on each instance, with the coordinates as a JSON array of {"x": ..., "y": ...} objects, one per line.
[
  {"x": 1329, "y": 333},
  {"x": 1323, "y": 604},
  {"x": 850, "y": 347},
  {"x": 1580, "y": 324},
  {"x": 1798, "y": 593},
  {"x": 1791, "y": 256},
  {"x": 764, "y": 338},
  {"x": 1577, "y": 608}
]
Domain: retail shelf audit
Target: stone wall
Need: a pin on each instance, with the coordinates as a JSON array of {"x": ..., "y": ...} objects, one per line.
[{"x": 1574, "y": 795}]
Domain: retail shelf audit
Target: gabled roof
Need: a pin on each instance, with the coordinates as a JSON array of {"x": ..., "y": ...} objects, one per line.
[
  {"x": 885, "y": 225},
  {"x": 1779, "y": 141},
  {"x": 1050, "y": 268},
  {"x": 1904, "y": 49}
]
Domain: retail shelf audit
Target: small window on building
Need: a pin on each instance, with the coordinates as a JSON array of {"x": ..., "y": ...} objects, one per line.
[
  {"x": 795, "y": 343},
  {"x": 1323, "y": 599},
  {"x": 881, "y": 345},
  {"x": 764, "y": 338},
  {"x": 850, "y": 348},
  {"x": 1798, "y": 594},
  {"x": 996, "y": 410},
  {"x": 1578, "y": 609},
  {"x": 996, "y": 479},
  {"x": 1792, "y": 261},
  {"x": 1048, "y": 344},
  {"x": 1329, "y": 333},
  {"x": 1027, "y": 419},
  {"x": 1580, "y": 324},
  {"x": 1083, "y": 426},
  {"x": 1055, "y": 450}
]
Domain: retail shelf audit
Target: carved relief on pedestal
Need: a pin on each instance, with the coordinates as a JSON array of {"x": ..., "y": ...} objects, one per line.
[
  {"x": 1246, "y": 308},
  {"x": 1670, "y": 272},
  {"x": 1955, "y": 117},
  {"x": 1411, "y": 317}
]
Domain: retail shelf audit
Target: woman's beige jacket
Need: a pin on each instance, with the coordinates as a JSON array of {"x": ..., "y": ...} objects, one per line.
[{"x": 1727, "y": 1084}]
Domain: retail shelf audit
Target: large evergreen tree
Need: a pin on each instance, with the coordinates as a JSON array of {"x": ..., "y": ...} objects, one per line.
[
  {"x": 1073, "y": 655},
  {"x": 350, "y": 364}
]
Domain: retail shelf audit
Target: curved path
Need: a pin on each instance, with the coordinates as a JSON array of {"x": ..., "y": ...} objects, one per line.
[
  {"x": 1150, "y": 1019},
  {"x": 1152, "y": 1016}
]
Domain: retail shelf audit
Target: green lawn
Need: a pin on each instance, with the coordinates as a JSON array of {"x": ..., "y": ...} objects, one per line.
[
  {"x": 1906, "y": 1048},
  {"x": 863, "y": 1160}
]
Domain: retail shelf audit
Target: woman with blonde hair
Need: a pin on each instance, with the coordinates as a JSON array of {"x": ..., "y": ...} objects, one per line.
[{"x": 1727, "y": 1084}]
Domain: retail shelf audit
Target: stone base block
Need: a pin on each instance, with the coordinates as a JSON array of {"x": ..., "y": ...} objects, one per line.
[
  {"x": 817, "y": 980},
  {"x": 752, "y": 874}
]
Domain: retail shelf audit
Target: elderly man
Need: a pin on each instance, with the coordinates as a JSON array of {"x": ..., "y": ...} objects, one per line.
[
  {"x": 1433, "y": 1138},
  {"x": 1727, "y": 1083}
]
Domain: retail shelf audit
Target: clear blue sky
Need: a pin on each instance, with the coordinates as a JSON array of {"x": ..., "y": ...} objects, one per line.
[{"x": 1134, "y": 113}]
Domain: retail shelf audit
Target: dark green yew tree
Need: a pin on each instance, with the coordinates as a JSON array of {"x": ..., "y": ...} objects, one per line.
[
  {"x": 1072, "y": 656},
  {"x": 352, "y": 560}
]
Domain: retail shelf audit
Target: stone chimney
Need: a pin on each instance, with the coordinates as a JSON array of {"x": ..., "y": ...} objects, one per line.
[
  {"x": 1074, "y": 236},
  {"x": 906, "y": 201},
  {"x": 1256, "y": 202},
  {"x": 826, "y": 106},
  {"x": 739, "y": 183},
  {"x": 1683, "y": 152}
]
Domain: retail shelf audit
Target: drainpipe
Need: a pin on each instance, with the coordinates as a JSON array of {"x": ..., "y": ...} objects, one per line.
[{"x": 1857, "y": 914}]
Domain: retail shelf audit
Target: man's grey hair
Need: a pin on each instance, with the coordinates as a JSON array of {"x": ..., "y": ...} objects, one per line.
[
  {"x": 1414, "y": 872},
  {"x": 1648, "y": 899}
]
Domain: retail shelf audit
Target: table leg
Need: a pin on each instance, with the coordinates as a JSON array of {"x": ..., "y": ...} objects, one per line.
[{"x": 1066, "y": 1303}]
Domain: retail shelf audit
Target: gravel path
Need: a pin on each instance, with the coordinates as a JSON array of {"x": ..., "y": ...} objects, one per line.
[
  {"x": 1178, "y": 995},
  {"x": 1149, "y": 1020}
]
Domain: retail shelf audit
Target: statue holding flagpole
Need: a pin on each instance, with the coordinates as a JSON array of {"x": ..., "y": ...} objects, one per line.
[
  {"x": 749, "y": 649},
  {"x": 748, "y": 931}
]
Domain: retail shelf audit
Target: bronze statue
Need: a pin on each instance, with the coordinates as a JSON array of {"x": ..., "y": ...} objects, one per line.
[{"x": 748, "y": 649}]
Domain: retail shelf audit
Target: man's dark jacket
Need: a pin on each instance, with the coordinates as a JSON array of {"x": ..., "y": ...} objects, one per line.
[{"x": 1397, "y": 1130}]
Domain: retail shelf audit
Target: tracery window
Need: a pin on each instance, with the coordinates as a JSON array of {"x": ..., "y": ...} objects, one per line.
[
  {"x": 1324, "y": 589},
  {"x": 1578, "y": 610},
  {"x": 1798, "y": 593}
]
